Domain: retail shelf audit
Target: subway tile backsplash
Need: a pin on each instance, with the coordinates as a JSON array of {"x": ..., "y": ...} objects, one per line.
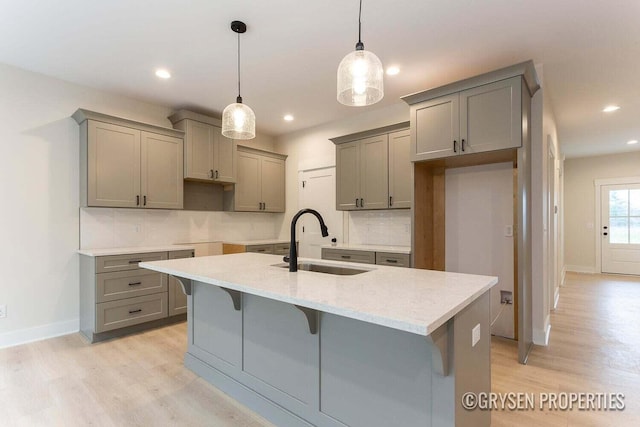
[
  {"x": 115, "y": 227},
  {"x": 388, "y": 227}
]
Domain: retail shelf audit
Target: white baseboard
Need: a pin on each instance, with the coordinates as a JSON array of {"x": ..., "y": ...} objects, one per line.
[
  {"x": 24, "y": 336},
  {"x": 581, "y": 269},
  {"x": 541, "y": 336}
]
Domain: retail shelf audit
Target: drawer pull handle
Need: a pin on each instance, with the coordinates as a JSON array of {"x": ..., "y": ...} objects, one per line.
[
  {"x": 135, "y": 311},
  {"x": 135, "y": 262},
  {"x": 392, "y": 261},
  {"x": 261, "y": 250},
  {"x": 135, "y": 284},
  {"x": 346, "y": 256}
]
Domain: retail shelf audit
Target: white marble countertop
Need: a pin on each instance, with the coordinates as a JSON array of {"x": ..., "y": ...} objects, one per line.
[
  {"x": 256, "y": 242},
  {"x": 412, "y": 300},
  {"x": 372, "y": 248},
  {"x": 134, "y": 250}
]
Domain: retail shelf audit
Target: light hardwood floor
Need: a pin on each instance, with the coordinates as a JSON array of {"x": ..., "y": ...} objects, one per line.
[{"x": 139, "y": 380}]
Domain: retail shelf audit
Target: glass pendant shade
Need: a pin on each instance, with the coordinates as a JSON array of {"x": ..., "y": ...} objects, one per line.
[
  {"x": 360, "y": 79},
  {"x": 238, "y": 122}
]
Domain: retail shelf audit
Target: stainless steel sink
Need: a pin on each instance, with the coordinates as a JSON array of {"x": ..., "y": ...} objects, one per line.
[{"x": 324, "y": 268}]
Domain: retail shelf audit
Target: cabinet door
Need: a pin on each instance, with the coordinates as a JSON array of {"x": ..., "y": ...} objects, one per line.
[
  {"x": 161, "y": 171},
  {"x": 437, "y": 126},
  {"x": 272, "y": 184},
  {"x": 374, "y": 172},
  {"x": 400, "y": 167},
  {"x": 247, "y": 189},
  {"x": 490, "y": 116},
  {"x": 347, "y": 175},
  {"x": 113, "y": 165},
  {"x": 199, "y": 146},
  {"x": 224, "y": 158}
]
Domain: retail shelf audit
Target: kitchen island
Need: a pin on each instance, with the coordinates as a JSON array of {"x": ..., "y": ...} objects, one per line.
[{"x": 388, "y": 346}]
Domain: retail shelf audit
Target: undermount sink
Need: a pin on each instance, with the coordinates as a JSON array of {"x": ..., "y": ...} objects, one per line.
[{"x": 324, "y": 268}]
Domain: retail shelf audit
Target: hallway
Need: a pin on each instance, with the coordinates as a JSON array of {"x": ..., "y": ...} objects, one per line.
[{"x": 594, "y": 347}]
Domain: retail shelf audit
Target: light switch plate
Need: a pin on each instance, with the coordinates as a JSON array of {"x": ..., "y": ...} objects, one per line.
[
  {"x": 475, "y": 335},
  {"x": 508, "y": 231}
]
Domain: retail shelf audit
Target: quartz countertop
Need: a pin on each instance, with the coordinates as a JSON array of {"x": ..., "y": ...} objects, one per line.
[
  {"x": 134, "y": 250},
  {"x": 372, "y": 248},
  {"x": 256, "y": 242},
  {"x": 407, "y": 299}
]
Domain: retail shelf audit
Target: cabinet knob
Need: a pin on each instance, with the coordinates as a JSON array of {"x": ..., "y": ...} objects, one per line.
[
  {"x": 144, "y": 198},
  {"x": 462, "y": 145},
  {"x": 137, "y": 200},
  {"x": 455, "y": 146},
  {"x": 605, "y": 234},
  {"x": 362, "y": 203},
  {"x": 390, "y": 200},
  {"x": 216, "y": 174},
  {"x": 357, "y": 206}
]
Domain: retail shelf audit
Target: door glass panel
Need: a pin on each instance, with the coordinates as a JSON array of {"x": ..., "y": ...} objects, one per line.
[
  {"x": 634, "y": 230},
  {"x": 634, "y": 202},
  {"x": 618, "y": 203},
  {"x": 619, "y": 232}
]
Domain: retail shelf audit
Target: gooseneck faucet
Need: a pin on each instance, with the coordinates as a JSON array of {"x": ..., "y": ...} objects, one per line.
[{"x": 293, "y": 252}]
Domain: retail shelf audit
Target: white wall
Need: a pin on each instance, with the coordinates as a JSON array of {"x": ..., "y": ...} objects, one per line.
[
  {"x": 311, "y": 148},
  {"x": 543, "y": 126},
  {"x": 39, "y": 176},
  {"x": 580, "y": 208}
]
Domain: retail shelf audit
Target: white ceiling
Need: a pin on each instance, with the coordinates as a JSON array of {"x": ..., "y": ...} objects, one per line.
[{"x": 589, "y": 51}]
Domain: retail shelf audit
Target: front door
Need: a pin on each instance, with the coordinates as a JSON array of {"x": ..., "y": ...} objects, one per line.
[{"x": 620, "y": 230}]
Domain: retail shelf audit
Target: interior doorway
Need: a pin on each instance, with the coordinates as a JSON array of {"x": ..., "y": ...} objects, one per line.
[{"x": 317, "y": 190}]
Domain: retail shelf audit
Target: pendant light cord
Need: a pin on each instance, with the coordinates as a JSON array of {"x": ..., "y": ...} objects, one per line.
[
  {"x": 360, "y": 45},
  {"x": 239, "y": 97}
]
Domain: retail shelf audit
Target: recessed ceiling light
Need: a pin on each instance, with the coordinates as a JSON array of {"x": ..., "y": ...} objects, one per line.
[
  {"x": 163, "y": 74},
  {"x": 392, "y": 71},
  {"x": 633, "y": 141},
  {"x": 288, "y": 118},
  {"x": 610, "y": 108}
]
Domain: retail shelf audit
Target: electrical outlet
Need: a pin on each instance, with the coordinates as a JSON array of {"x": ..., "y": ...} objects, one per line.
[
  {"x": 3, "y": 311},
  {"x": 475, "y": 335},
  {"x": 506, "y": 297}
]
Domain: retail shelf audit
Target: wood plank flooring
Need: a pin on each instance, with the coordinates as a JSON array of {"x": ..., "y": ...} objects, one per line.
[{"x": 140, "y": 380}]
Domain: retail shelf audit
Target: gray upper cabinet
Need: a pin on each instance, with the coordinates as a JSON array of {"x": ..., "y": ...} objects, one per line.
[
  {"x": 362, "y": 174},
  {"x": 129, "y": 164},
  {"x": 208, "y": 156},
  {"x": 400, "y": 179},
  {"x": 260, "y": 185},
  {"x": 479, "y": 119},
  {"x": 373, "y": 170}
]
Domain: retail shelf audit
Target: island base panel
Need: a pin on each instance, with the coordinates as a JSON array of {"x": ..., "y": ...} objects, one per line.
[{"x": 351, "y": 373}]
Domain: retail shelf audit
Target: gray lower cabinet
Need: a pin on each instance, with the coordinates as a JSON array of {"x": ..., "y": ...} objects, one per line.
[
  {"x": 367, "y": 257},
  {"x": 269, "y": 248},
  {"x": 118, "y": 297}
]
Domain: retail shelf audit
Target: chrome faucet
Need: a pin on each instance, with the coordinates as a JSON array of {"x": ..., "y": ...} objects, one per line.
[{"x": 292, "y": 259}]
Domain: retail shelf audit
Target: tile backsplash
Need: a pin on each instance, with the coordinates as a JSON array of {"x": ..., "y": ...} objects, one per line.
[
  {"x": 388, "y": 227},
  {"x": 116, "y": 227}
]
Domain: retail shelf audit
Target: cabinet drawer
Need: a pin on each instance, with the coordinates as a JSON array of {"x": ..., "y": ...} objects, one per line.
[
  {"x": 364, "y": 257},
  {"x": 130, "y": 311},
  {"x": 263, "y": 249},
  {"x": 281, "y": 248},
  {"x": 393, "y": 259},
  {"x": 105, "y": 264},
  {"x": 181, "y": 254},
  {"x": 126, "y": 284}
]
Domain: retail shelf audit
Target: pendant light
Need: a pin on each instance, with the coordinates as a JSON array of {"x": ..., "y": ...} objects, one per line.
[
  {"x": 238, "y": 120},
  {"x": 360, "y": 75}
]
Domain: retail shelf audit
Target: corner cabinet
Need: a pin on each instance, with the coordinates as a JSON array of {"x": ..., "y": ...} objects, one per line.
[
  {"x": 373, "y": 172},
  {"x": 208, "y": 156},
  {"x": 484, "y": 118},
  {"x": 260, "y": 184},
  {"x": 129, "y": 164}
]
